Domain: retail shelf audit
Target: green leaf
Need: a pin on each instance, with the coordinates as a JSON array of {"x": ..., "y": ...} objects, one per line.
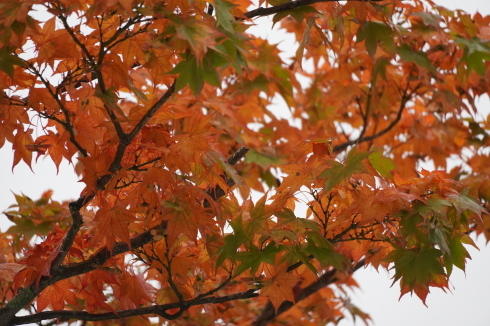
[
  {"x": 462, "y": 202},
  {"x": 419, "y": 58},
  {"x": 233, "y": 241},
  {"x": 380, "y": 67},
  {"x": 410, "y": 228},
  {"x": 223, "y": 14},
  {"x": 270, "y": 180},
  {"x": 194, "y": 75},
  {"x": 226, "y": 167},
  {"x": 227, "y": 49},
  {"x": 323, "y": 251},
  {"x": 334, "y": 175},
  {"x": 8, "y": 61},
  {"x": 439, "y": 206},
  {"x": 297, "y": 13},
  {"x": 416, "y": 267},
  {"x": 354, "y": 160},
  {"x": 110, "y": 98},
  {"x": 261, "y": 159},
  {"x": 27, "y": 228},
  {"x": 456, "y": 256},
  {"x": 139, "y": 94},
  {"x": 473, "y": 45},
  {"x": 253, "y": 258},
  {"x": 382, "y": 164},
  {"x": 376, "y": 34},
  {"x": 475, "y": 54},
  {"x": 300, "y": 255},
  {"x": 287, "y": 217},
  {"x": 318, "y": 240},
  {"x": 438, "y": 236},
  {"x": 339, "y": 172},
  {"x": 476, "y": 62}
]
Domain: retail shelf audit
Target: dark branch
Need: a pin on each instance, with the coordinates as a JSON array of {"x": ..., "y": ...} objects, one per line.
[
  {"x": 405, "y": 98},
  {"x": 65, "y": 271},
  {"x": 151, "y": 112},
  {"x": 259, "y": 12},
  {"x": 65, "y": 315},
  {"x": 219, "y": 192},
  {"x": 268, "y": 313},
  {"x": 66, "y": 124}
]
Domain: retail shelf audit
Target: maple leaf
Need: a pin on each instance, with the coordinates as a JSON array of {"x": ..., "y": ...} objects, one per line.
[
  {"x": 279, "y": 287},
  {"x": 181, "y": 220},
  {"x": 339, "y": 172},
  {"x": 232, "y": 242},
  {"x": 416, "y": 269},
  {"x": 15, "y": 11},
  {"x": 22, "y": 140},
  {"x": 382, "y": 164},
  {"x": 201, "y": 35},
  {"x": 54, "y": 44},
  {"x": 133, "y": 291},
  {"x": 55, "y": 147},
  {"x": 299, "y": 175},
  {"x": 56, "y": 295},
  {"x": 8, "y": 60},
  {"x": 196, "y": 139},
  {"x": 94, "y": 167},
  {"x": 92, "y": 287},
  {"x": 253, "y": 258},
  {"x": 112, "y": 224}
]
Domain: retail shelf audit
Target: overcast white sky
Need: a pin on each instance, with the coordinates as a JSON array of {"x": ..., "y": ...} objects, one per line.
[{"x": 468, "y": 304}]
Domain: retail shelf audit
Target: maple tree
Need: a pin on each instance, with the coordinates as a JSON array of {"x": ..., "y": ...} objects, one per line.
[{"x": 163, "y": 110}]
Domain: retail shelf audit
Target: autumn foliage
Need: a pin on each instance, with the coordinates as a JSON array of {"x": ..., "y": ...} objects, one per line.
[{"x": 203, "y": 204}]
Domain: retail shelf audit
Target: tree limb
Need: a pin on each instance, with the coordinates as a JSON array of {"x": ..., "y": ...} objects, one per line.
[
  {"x": 65, "y": 271},
  {"x": 260, "y": 12},
  {"x": 405, "y": 98},
  {"x": 329, "y": 277},
  {"x": 66, "y": 315}
]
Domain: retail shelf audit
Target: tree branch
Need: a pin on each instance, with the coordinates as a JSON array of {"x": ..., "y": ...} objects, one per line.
[
  {"x": 405, "y": 98},
  {"x": 66, "y": 315},
  {"x": 218, "y": 192},
  {"x": 66, "y": 124},
  {"x": 260, "y": 12},
  {"x": 65, "y": 271},
  {"x": 151, "y": 112},
  {"x": 268, "y": 313}
]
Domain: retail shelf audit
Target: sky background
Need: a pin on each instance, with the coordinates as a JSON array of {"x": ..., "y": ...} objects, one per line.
[{"x": 467, "y": 304}]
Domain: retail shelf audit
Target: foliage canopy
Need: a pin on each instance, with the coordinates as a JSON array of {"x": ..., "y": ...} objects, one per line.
[{"x": 163, "y": 108}]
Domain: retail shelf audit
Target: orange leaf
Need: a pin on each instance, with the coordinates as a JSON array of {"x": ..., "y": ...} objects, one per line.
[
  {"x": 133, "y": 291},
  {"x": 22, "y": 140},
  {"x": 54, "y": 43},
  {"x": 112, "y": 224},
  {"x": 56, "y": 295},
  {"x": 181, "y": 221},
  {"x": 94, "y": 167},
  {"x": 56, "y": 148},
  {"x": 280, "y": 288}
]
